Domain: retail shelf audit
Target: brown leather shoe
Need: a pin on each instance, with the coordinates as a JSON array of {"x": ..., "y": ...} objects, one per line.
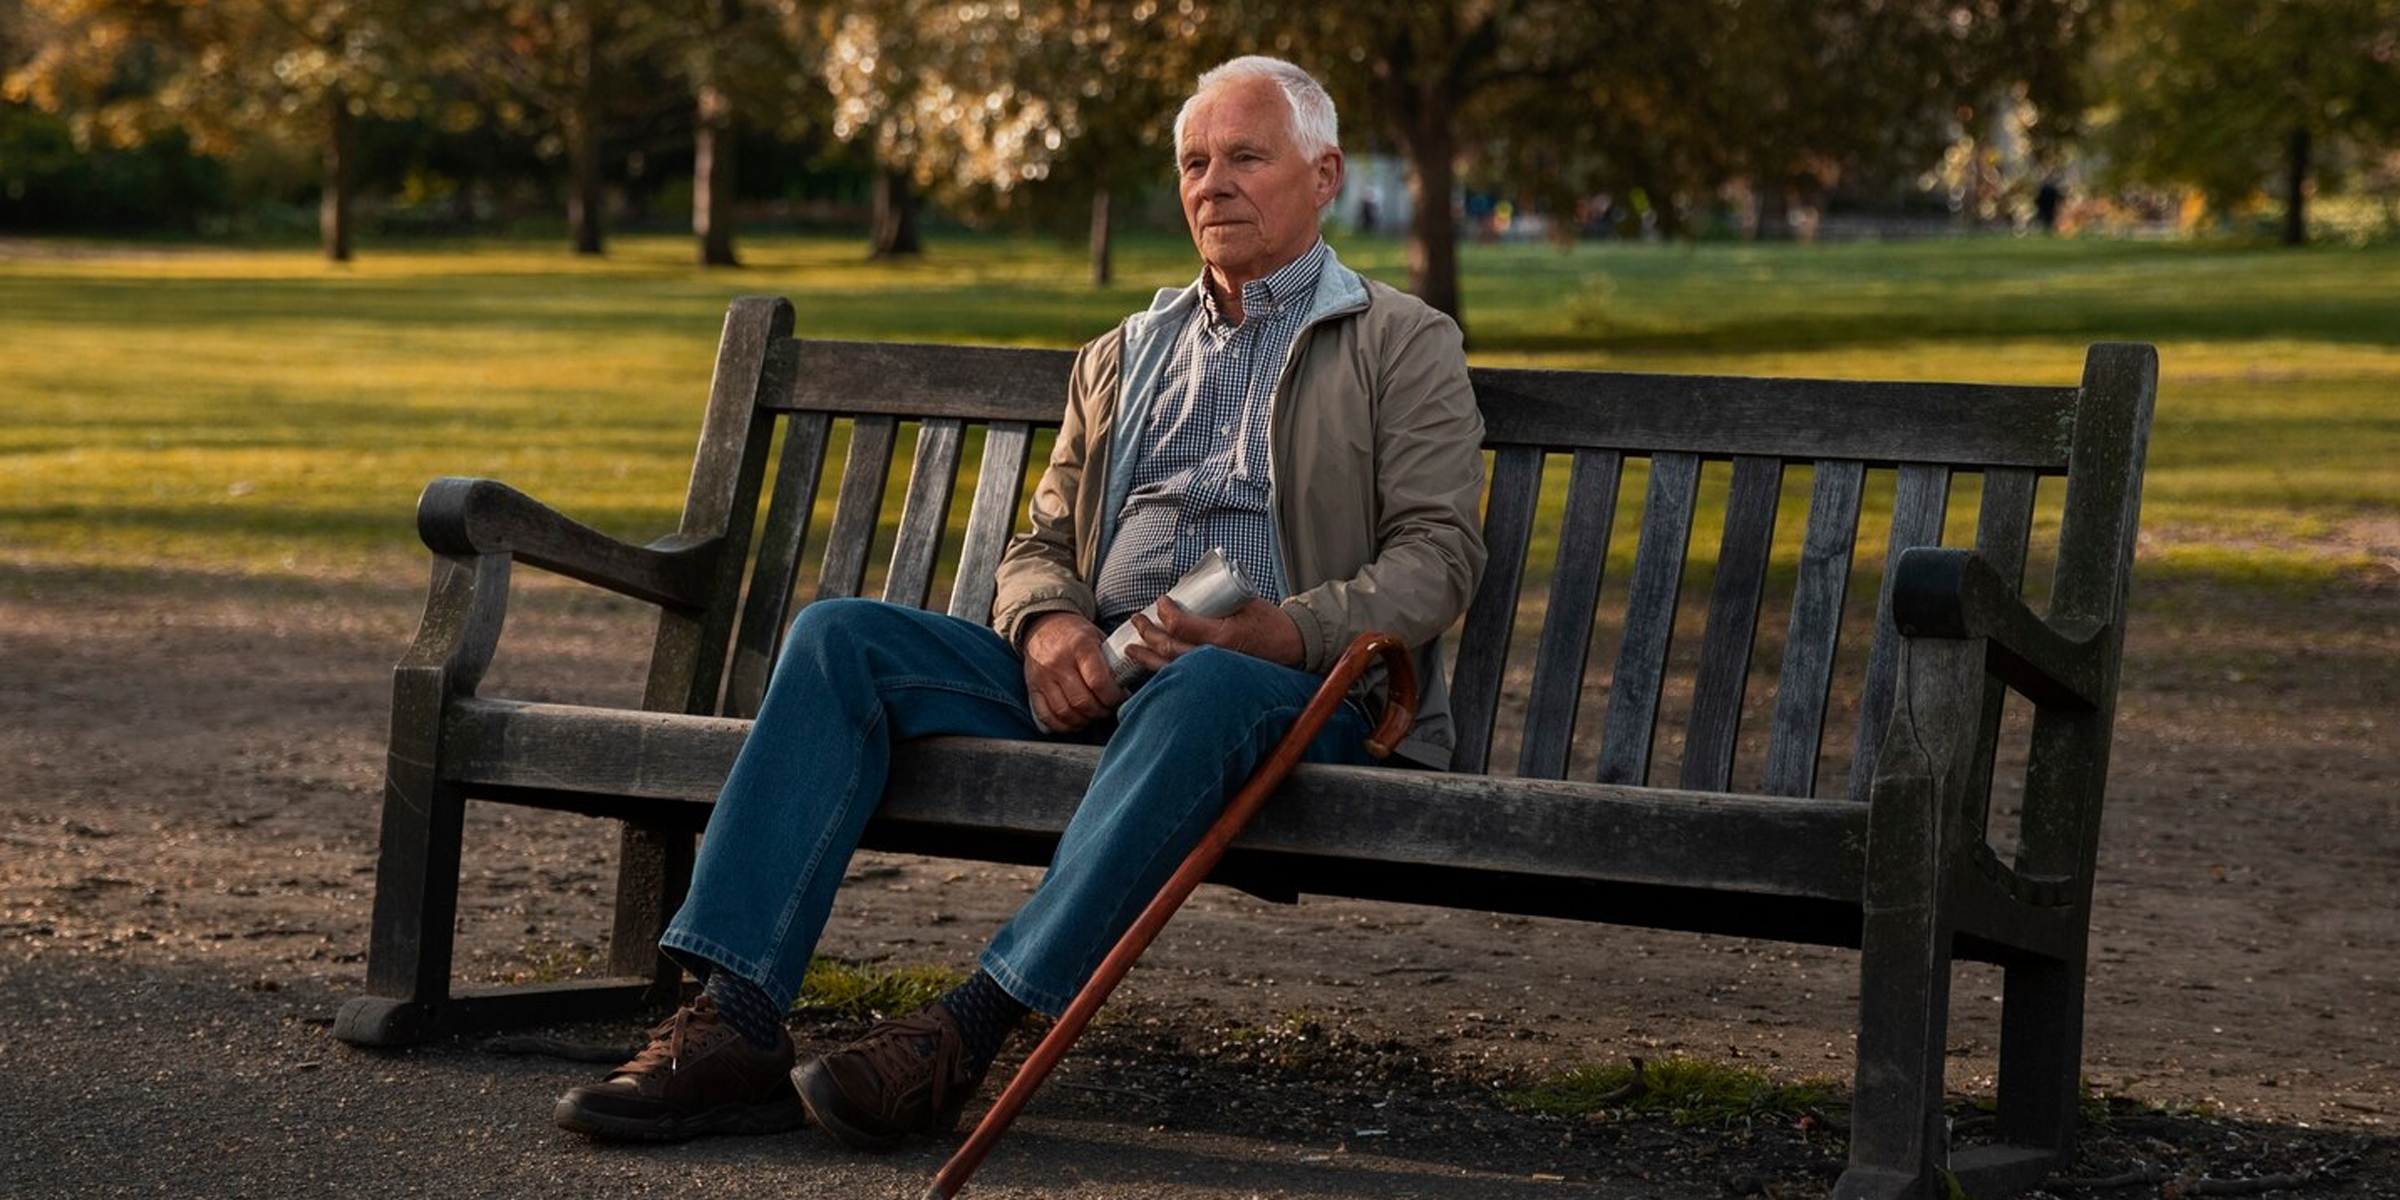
[
  {"x": 697, "y": 1076},
  {"x": 906, "y": 1076}
]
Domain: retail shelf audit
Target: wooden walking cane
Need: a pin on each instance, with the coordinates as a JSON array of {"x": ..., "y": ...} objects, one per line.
[{"x": 1399, "y": 711}]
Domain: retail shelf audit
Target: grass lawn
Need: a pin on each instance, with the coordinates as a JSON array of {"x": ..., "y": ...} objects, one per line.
[{"x": 261, "y": 412}]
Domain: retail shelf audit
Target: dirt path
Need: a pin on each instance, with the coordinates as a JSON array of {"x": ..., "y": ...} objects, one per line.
[{"x": 188, "y": 773}]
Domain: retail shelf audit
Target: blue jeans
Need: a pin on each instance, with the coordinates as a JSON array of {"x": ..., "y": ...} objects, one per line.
[{"x": 857, "y": 676}]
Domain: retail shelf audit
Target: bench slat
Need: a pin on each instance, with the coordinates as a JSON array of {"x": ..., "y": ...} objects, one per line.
[
  {"x": 1733, "y": 600},
  {"x": 1971, "y": 425},
  {"x": 898, "y": 379},
  {"x": 1567, "y": 624},
  {"x": 1795, "y": 741},
  {"x": 925, "y": 513},
  {"x": 1975, "y": 425},
  {"x": 1516, "y": 491},
  {"x": 1634, "y": 690},
  {"x": 1007, "y": 447},
  {"x": 789, "y": 510},
  {"x": 2003, "y": 532},
  {"x": 1919, "y": 505},
  {"x": 865, "y": 473},
  {"x": 1565, "y": 829}
]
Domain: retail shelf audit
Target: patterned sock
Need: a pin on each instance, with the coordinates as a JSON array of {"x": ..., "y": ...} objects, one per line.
[
  {"x": 986, "y": 1014},
  {"x": 746, "y": 1007}
]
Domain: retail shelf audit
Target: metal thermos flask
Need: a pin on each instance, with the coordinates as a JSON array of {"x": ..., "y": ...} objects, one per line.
[{"x": 1214, "y": 587}]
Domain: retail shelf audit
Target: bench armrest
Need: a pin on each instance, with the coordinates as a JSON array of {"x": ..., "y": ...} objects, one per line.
[
  {"x": 1941, "y": 592},
  {"x": 470, "y": 517}
]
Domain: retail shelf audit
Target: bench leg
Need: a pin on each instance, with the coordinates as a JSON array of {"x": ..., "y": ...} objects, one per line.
[
  {"x": 654, "y": 870},
  {"x": 416, "y": 906},
  {"x": 2041, "y": 1054},
  {"x": 1898, "y": 1143}
]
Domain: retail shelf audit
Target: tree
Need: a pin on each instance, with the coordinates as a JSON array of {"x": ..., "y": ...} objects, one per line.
[
  {"x": 2225, "y": 95},
  {"x": 224, "y": 73},
  {"x": 1015, "y": 108},
  {"x": 739, "y": 59},
  {"x": 561, "y": 70}
]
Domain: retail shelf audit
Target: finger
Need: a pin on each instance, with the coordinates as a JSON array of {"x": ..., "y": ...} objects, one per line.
[
  {"x": 1159, "y": 639},
  {"x": 1098, "y": 681}
]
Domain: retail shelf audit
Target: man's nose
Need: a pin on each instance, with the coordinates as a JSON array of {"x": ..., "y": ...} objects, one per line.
[{"x": 1216, "y": 178}]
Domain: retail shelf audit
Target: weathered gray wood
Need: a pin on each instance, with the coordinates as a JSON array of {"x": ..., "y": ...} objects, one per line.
[
  {"x": 1566, "y": 829},
  {"x": 1907, "y": 876},
  {"x": 1007, "y": 447},
  {"x": 865, "y": 474},
  {"x": 1640, "y": 678},
  {"x": 1919, "y": 504},
  {"x": 1516, "y": 490},
  {"x": 1733, "y": 600},
  {"x": 1796, "y": 736},
  {"x": 899, "y": 379},
  {"x": 925, "y": 513},
  {"x": 1968, "y": 425},
  {"x": 2003, "y": 533},
  {"x": 791, "y": 506},
  {"x": 1566, "y": 639},
  {"x": 467, "y": 517},
  {"x": 754, "y": 361}
]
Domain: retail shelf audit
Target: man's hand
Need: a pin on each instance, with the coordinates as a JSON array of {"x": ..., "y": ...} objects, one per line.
[
  {"x": 1067, "y": 679},
  {"x": 1259, "y": 629}
]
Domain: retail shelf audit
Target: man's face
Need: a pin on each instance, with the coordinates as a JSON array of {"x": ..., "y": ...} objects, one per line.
[{"x": 1249, "y": 194}]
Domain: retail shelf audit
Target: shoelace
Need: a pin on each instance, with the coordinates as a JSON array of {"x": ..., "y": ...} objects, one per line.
[
  {"x": 898, "y": 1049},
  {"x": 665, "y": 1048}
]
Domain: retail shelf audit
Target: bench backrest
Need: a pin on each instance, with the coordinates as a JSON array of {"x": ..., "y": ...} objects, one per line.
[{"x": 1704, "y": 529}]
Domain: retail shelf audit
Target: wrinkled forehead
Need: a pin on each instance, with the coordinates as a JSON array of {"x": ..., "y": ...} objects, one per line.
[{"x": 1245, "y": 112}]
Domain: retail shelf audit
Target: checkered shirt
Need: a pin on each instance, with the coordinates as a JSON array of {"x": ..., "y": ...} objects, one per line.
[{"x": 1203, "y": 476}]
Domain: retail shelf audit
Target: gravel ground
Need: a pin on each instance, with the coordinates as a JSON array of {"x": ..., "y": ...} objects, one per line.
[{"x": 188, "y": 770}]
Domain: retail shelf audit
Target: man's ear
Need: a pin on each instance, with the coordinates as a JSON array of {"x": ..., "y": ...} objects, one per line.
[{"x": 1329, "y": 177}]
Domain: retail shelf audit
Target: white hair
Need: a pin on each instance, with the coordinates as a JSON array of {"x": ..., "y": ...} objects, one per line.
[{"x": 1316, "y": 130}]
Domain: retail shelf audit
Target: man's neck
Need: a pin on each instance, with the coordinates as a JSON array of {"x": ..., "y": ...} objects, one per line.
[{"x": 1227, "y": 291}]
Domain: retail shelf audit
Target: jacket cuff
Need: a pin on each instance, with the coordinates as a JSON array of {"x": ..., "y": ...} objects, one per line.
[
  {"x": 1011, "y": 624},
  {"x": 1318, "y": 644}
]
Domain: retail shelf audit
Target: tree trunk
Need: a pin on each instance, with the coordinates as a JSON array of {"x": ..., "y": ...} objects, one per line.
[
  {"x": 333, "y": 208},
  {"x": 1432, "y": 247},
  {"x": 2295, "y": 189},
  {"x": 895, "y": 216},
  {"x": 584, "y": 194},
  {"x": 1103, "y": 240},
  {"x": 1774, "y": 214},
  {"x": 713, "y": 178}
]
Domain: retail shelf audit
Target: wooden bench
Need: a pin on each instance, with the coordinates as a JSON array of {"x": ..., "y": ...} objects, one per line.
[{"x": 1773, "y": 751}]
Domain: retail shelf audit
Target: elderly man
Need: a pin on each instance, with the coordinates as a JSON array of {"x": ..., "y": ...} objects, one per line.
[{"x": 1315, "y": 426}]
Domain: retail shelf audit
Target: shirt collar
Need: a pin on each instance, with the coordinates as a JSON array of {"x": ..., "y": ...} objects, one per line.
[{"x": 1292, "y": 283}]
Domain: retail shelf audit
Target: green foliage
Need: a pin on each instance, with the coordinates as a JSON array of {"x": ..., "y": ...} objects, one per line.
[
  {"x": 863, "y": 991},
  {"x": 49, "y": 182},
  {"x": 1687, "y": 1091},
  {"x": 2220, "y": 95}
]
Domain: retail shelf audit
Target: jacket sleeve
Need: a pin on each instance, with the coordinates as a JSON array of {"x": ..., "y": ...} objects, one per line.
[
  {"x": 1429, "y": 491},
  {"x": 1038, "y": 571}
]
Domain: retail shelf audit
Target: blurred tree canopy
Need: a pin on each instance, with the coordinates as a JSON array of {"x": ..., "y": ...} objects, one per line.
[
  {"x": 2220, "y": 94},
  {"x": 1660, "y": 115}
]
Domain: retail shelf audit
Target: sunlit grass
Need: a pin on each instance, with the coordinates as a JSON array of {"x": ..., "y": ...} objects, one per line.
[
  {"x": 262, "y": 412},
  {"x": 1687, "y": 1091},
  {"x": 865, "y": 991}
]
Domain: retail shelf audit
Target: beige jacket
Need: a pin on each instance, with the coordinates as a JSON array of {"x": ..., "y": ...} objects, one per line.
[{"x": 1376, "y": 478}]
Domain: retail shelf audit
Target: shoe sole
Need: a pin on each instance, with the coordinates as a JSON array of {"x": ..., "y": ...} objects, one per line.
[
  {"x": 824, "y": 1102},
  {"x": 782, "y": 1116}
]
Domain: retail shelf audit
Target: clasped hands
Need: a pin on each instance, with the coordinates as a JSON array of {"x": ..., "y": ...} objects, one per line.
[{"x": 1067, "y": 679}]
